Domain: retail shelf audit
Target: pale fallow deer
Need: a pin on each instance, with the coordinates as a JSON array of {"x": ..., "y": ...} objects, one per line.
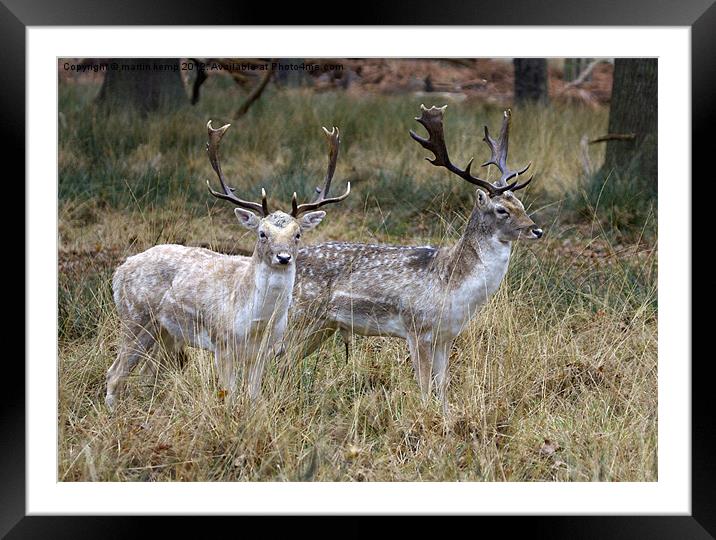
[
  {"x": 425, "y": 295},
  {"x": 234, "y": 306}
]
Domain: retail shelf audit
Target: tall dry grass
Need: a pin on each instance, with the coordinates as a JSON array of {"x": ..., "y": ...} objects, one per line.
[{"x": 554, "y": 380}]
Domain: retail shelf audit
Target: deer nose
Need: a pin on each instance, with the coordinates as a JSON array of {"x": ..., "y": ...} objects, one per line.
[
  {"x": 538, "y": 233},
  {"x": 283, "y": 258}
]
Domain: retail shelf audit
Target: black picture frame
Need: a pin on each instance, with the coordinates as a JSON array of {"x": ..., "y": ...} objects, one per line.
[{"x": 700, "y": 15}]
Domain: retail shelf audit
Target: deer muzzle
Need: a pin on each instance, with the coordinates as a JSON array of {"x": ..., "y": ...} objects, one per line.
[{"x": 283, "y": 258}]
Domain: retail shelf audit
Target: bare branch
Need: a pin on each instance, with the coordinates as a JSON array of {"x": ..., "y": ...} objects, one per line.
[
  {"x": 614, "y": 137},
  {"x": 256, "y": 92}
]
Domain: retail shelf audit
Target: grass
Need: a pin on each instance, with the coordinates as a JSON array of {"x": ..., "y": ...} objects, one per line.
[{"x": 556, "y": 379}]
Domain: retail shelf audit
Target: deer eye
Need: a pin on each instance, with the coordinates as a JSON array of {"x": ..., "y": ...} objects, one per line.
[
  {"x": 262, "y": 235},
  {"x": 298, "y": 235},
  {"x": 503, "y": 212}
]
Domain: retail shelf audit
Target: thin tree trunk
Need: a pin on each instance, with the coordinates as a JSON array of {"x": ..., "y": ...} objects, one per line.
[
  {"x": 143, "y": 84},
  {"x": 531, "y": 80}
]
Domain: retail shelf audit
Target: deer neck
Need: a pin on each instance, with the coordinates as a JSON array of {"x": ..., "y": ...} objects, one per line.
[
  {"x": 272, "y": 288},
  {"x": 479, "y": 259}
]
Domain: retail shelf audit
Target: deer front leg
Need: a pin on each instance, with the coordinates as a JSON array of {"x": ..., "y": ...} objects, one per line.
[
  {"x": 421, "y": 355},
  {"x": 440, "y": 372},
  {"x": 256, "y": 372},
  {"x": 278, "y": 349},
  {"x": 224, "y": 360}
]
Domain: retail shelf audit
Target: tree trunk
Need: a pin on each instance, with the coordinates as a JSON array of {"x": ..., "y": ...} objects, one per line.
[
  {"x": 143, "y": 84},
  {"x": 286, "y": 76},
  {"x": 531, "y": 80},
  {"x": 633, "y": 111}
]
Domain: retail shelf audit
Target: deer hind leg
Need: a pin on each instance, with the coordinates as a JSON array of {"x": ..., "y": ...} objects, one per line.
[
  {"x": 136, "y": 342},
  {"x": 421, "y": 352}
]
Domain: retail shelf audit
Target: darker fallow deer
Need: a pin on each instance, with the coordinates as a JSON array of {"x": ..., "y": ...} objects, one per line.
[
  {"x": 234, "y": 306},
  {"x": 423, "y": 294}
]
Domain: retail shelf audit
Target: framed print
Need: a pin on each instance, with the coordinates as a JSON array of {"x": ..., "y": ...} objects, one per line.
[{"x": 336, "y": 325}]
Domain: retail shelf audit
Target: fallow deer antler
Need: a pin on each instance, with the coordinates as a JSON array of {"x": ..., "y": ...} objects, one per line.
[
  {"x": 212, "y": 148},
  {"x": 334, "y": 141},
  {"x": 432, "y": 120},
  {"x": 498, "y": 151}
]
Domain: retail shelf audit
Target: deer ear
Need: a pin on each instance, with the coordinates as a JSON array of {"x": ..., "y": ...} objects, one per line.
[
  {"x": 481, "y": 198},
  {"x": 311, "y": 219},
  {"x": 247, "y": 218}
]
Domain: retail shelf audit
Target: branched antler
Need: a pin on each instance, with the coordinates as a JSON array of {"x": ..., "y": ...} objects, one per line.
[
  {"x": 432, "y": 120},
  {"x": 334, "y": 141},
  {"x": 212, "y": 147},
  {"x": 498, "y": 151}
]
